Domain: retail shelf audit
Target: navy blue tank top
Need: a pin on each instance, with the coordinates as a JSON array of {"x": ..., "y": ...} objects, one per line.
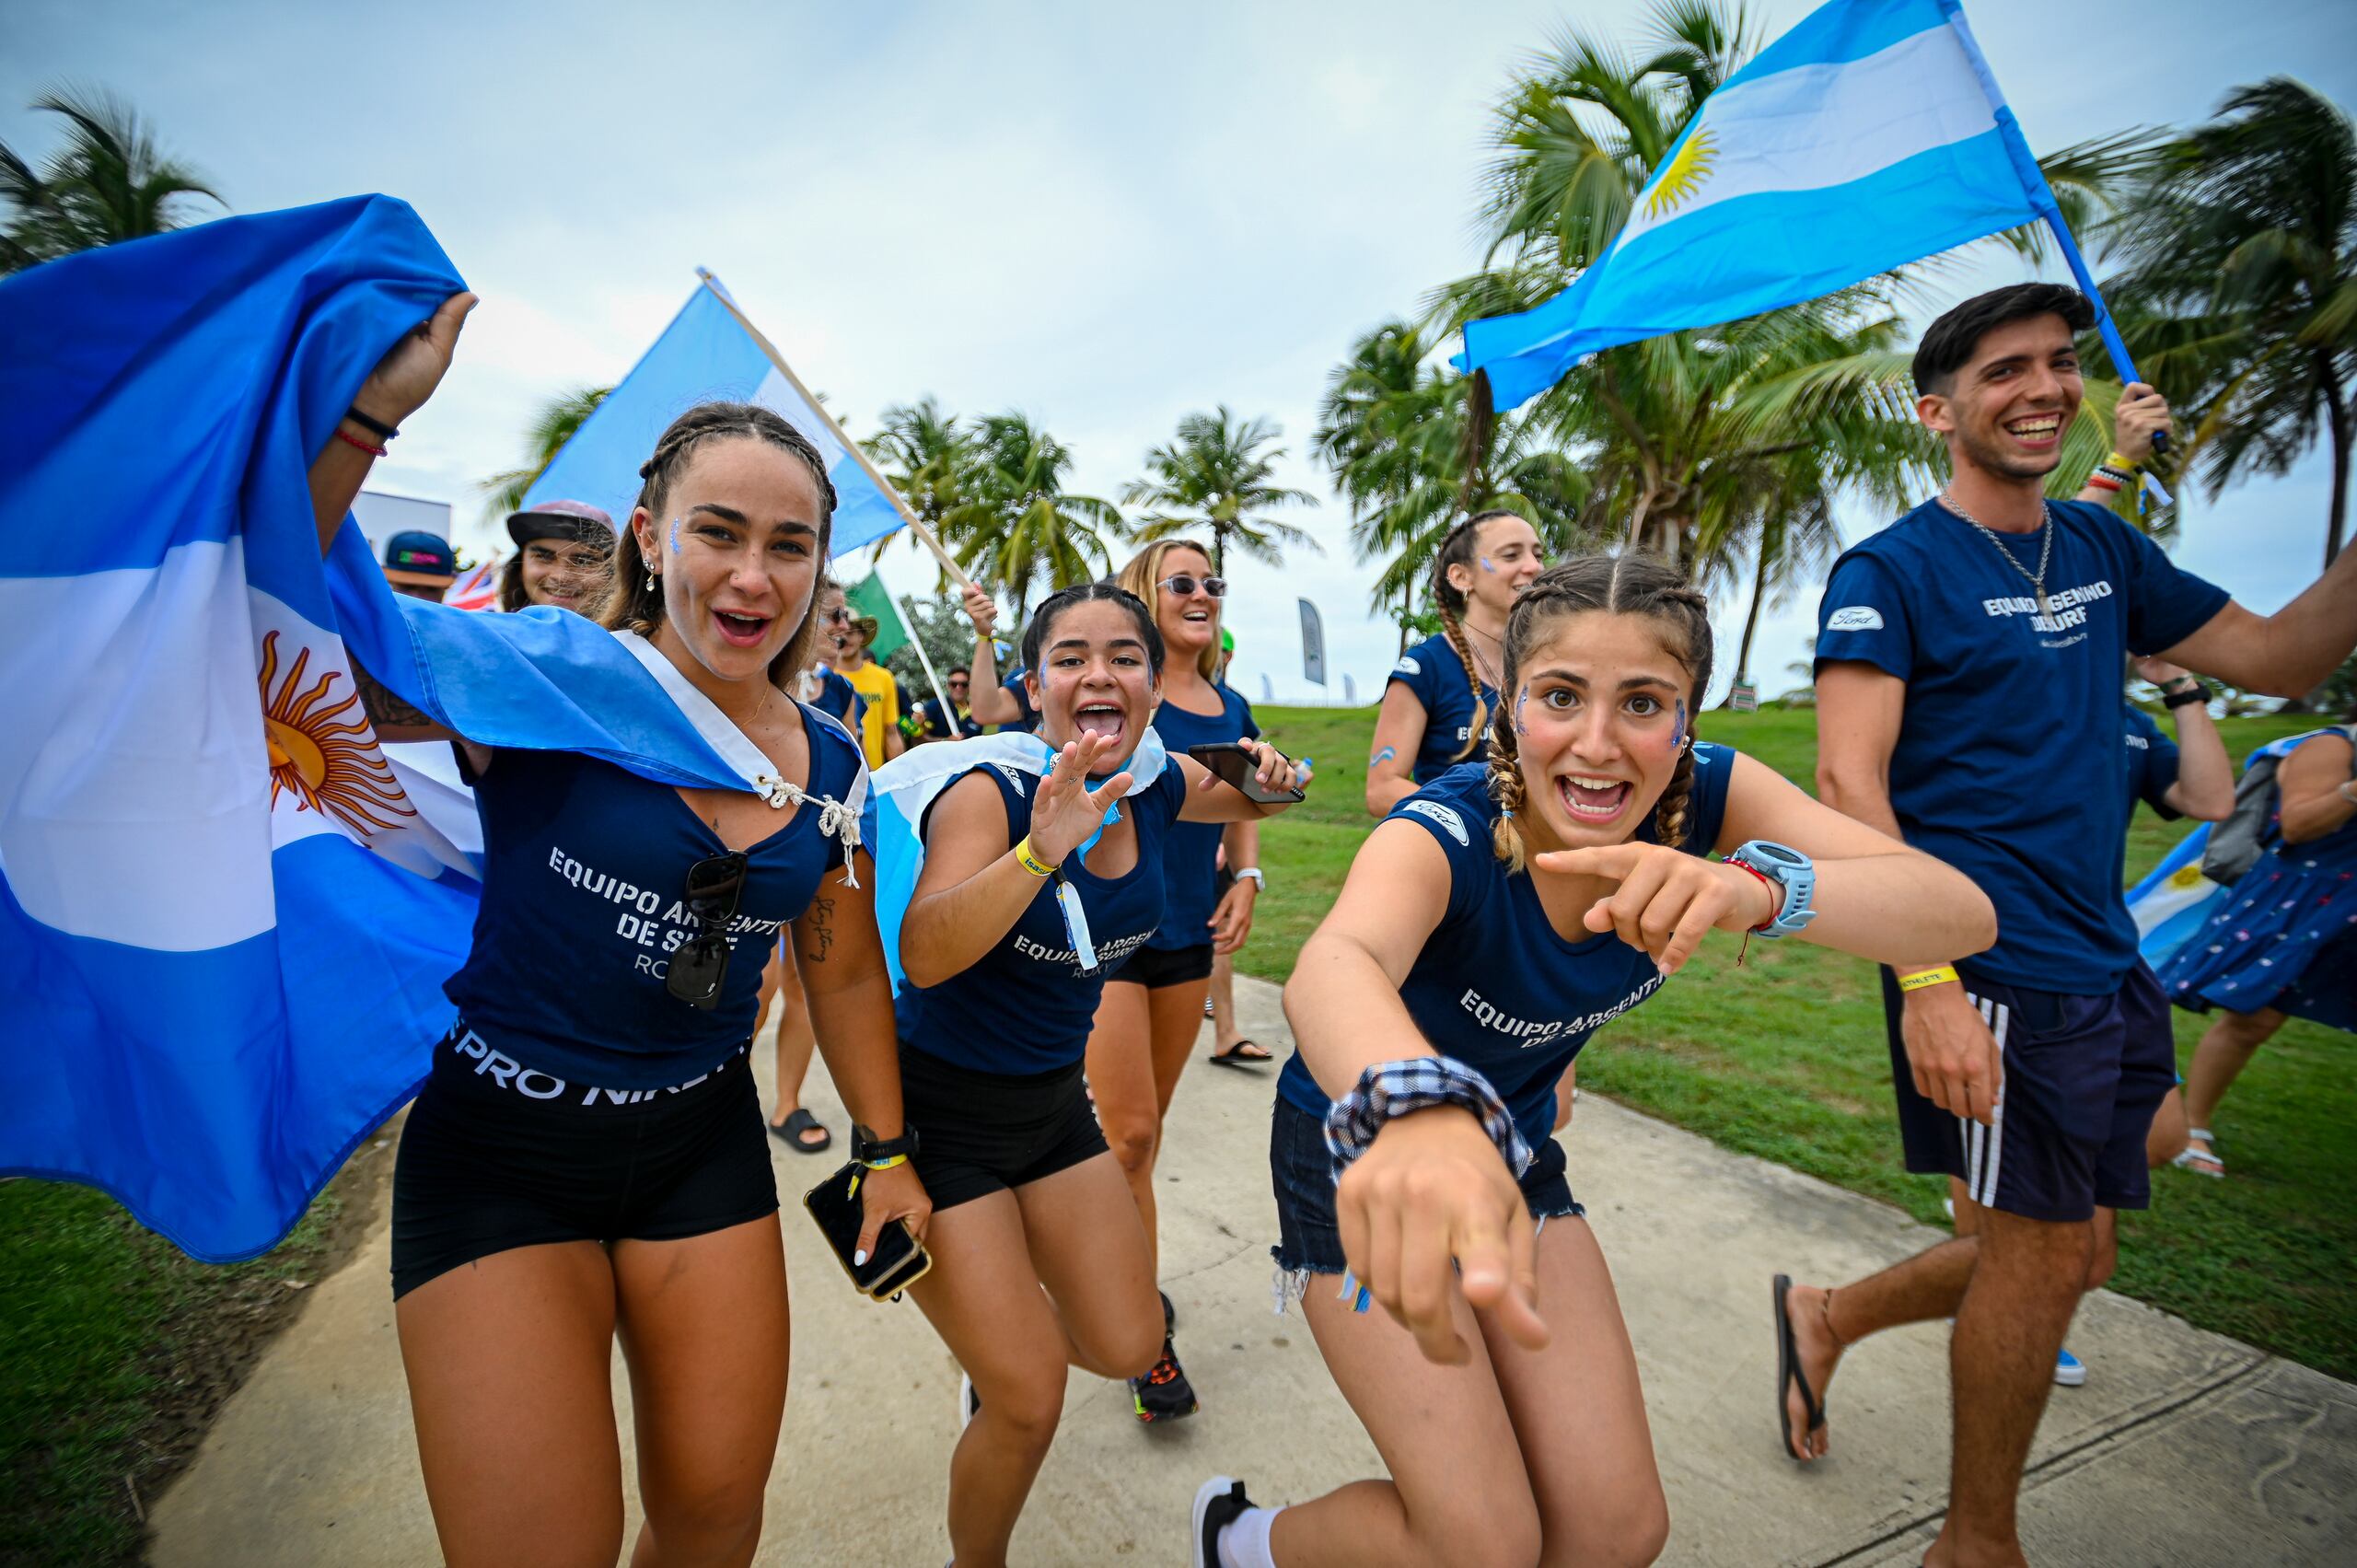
[
  {"x": 1025, "y": 1007},
  {"x": 1189, "y": 865},
  {"x": 1496, "y": 987},
  {"x": 584, "y": 865}
]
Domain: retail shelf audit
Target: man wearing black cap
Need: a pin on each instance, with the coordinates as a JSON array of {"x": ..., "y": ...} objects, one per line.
[
  {"x": 565, "y": 557},
  {"x": 420, "y": 565}
]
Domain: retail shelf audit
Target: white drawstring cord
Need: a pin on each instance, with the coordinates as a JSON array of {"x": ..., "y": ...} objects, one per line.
[{"x": 836, "y": 820}]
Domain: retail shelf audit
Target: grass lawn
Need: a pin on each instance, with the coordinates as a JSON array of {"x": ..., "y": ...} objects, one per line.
[{"x": 1805, "y": 1081}]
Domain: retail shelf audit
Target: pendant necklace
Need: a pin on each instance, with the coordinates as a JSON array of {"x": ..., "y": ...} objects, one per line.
[{"x": 2036, "y": 580}]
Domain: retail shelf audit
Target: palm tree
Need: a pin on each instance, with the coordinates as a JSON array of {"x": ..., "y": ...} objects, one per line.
[
  {"x": 1217, "y": 476},
  {"x": 109, "y": 181},
  {"x": 555, "y": 425},
  {"x": 929, "y": 456},
  {"x": 1017, "y": 522},
  {"x": 2238, "y": 292}
]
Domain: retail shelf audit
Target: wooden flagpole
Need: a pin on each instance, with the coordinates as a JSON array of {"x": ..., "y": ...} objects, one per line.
[{"x": 916, "y": 524}]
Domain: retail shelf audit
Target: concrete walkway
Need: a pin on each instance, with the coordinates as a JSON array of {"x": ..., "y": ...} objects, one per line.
[{"x": 2182, "y": 1447}]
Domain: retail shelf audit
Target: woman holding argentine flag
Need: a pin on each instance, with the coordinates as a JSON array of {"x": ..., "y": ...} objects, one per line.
[
  {"x": 1039, "y": 876},
  {"x": 1489, "y": 925},
  {"x": 586, "y": 1161}
]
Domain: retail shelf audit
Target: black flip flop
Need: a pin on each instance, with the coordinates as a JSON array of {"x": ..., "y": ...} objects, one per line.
[
  {"x": 1234, "y": 1056},
  {"x": 1788, "y": 1373},
  {"x": 798, "y": 1122}
]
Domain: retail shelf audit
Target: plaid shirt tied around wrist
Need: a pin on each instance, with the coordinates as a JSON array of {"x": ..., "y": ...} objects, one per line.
[{"x": 1418, "y": 1083}]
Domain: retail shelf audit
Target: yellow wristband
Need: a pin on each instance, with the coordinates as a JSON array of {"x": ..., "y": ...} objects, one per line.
[
  {"x": 885, "y": 1164},
  {"x": 1030, "y": 862},
  {"x": 1944, "y": 975},
  {"x": 2126, "y": 465}
]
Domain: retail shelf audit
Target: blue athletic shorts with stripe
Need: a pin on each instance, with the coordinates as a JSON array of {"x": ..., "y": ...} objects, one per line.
[{"x": 2083, "y": 1075}]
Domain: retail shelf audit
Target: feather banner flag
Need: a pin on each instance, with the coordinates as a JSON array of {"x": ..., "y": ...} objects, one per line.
[
  {"x": 227, "y": 915},
  {"x": 708, "y": 353},
  {"x": 1870, "y": 136}
]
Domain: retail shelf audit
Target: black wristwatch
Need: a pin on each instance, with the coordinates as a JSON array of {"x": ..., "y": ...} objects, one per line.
[
  {"x": 2192, "y": 691},
  {"x": 869, "y": 1149}
]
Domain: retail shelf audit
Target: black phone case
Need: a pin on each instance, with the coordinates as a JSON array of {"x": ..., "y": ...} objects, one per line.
[
  {"x": 1223, "y": 757},
  {"x": 898, "y": 1260}
]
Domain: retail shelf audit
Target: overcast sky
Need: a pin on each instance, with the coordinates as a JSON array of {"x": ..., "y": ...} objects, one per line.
[{"x": 1105, "y": 215}]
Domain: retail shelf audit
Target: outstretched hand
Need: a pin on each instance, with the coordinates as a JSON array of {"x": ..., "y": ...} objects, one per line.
[
  {"x": 1066, "y": 811},
  {"x": 415, "y": 365},
  {"x": 1668, "y": 898},
  {"x": 1429, "y": 1213}
]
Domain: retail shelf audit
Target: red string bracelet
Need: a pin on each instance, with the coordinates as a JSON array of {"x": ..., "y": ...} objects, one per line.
[
  {"x": 349, "y": 439},
  {"x": 1776, "y": 897}
]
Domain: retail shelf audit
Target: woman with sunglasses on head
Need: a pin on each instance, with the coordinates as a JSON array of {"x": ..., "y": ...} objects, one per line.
[
  {"x": 1489, "y": 927},
  {"x": 1034, "y": 889},
  {"x": 1153, "y": 1011},
  {"x": 586, "y": 1161},
  {"x": 1443, "y": 692}
]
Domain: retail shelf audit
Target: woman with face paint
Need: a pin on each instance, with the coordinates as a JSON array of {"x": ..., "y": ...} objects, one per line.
[
  {"x": 1443, "y": 691},
  {"x": 586, "y": 1161},
  {"x": 1033, "y": 890},
  {"x": 1487, "y": 927}
]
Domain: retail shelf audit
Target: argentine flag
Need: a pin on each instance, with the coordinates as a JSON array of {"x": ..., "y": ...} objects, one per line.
[
  {"x": 1871, "y": 135},
  {"x": 226, "y": 915},
  {"x": 705, "y": 355}
]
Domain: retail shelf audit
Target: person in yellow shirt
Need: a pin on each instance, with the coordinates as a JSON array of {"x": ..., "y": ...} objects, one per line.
[{"x": 879, "y": 725}]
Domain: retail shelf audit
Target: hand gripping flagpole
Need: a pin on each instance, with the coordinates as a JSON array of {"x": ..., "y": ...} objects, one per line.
[
  {"x": 858, "y": 454},
  {"x": 2041, "y": 197}
]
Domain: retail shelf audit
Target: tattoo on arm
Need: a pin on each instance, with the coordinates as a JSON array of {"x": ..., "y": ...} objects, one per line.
[
  {"x": 818, "y": 932},
  {"x": 1382, "y": 756},
  {"x": 382, "y": 707}
]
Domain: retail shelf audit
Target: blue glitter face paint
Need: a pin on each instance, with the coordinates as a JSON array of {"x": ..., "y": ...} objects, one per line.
[
  {"x": 1487, "y": 567},
  {"x": 675, "y": 536},
  {"x": 1677, "y": 735},
  {"x": 1520, "y": 698}
]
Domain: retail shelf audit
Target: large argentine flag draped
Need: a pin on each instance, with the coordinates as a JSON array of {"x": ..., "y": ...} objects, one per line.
[
  {"x": 2173, "y": 900},
  {"x": 900, "y": 790},
  {"x": 703, "y": 355},
  {"x": 227, "y": 918},
  {"x": 1871, "y": 135}
]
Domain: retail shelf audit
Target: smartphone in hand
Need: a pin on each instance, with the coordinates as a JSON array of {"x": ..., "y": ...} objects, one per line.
[{"x": 1233, "y": 764}]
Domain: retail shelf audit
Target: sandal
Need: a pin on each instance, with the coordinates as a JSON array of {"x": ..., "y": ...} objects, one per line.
[
  {"x": 793, "y": 1132},
  {"x": 2201, "y": 1162},
  {"x": 1241, "y": 1052},
  {"x": 1788, "y": 1372}
]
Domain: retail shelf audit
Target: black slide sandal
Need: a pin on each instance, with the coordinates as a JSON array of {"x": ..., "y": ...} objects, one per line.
[
  {"x": 1788, "y": 1373},
  {"x": 798, "y": 1122}
]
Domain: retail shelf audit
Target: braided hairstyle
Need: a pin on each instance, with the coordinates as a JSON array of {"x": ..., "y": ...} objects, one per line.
[
  {"x": 1457, "y": 548},
  {"x": 1631, "y": 584},
  {"x": 636, "y": 602}
]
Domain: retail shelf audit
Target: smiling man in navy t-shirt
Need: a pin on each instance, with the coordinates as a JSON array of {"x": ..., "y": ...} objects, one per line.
[{"x": 1968, "y": 701}]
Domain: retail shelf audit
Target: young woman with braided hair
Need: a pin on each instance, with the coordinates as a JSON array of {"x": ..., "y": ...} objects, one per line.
[
  {"x": 1489, "y": 925},
  {"x": 585, "y": 1160},
  {"x": 1443, "y": 691}
]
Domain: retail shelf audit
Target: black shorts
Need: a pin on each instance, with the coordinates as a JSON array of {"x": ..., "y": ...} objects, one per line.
[
  {"x": 981, "y": 1132},
  {"x": 1155, "y": 967},
  {"x": 491, "y": 1161},
  {"x": 2083, "y": 1075},
  {"x": 1301, "y": 1168}
]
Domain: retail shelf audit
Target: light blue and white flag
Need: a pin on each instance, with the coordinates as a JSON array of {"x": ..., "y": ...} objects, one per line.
[
  {"x": 705, "y": 354},
  {"x": 900, "y": 791},
  {"x": 226, "y": 915},
  {"x": 2175, "y": 900},
  {"x": 1871, "y": 135}
]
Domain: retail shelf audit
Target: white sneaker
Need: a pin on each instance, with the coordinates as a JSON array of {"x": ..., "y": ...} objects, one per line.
[
  {"x": 2069, "y": 1370},
  {"x": 968, "y": 1402}
]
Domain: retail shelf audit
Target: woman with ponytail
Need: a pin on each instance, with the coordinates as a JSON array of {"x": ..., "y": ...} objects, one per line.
[
  {"x": 1489, "y": 924},
  {"x": 1443, "y": 691}
]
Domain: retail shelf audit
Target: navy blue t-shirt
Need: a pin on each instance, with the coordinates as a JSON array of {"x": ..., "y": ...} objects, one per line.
[
  {"x": 2152, "y": 763},
  {"x": 1025, "y": 1007},
  {"x": 1432, "y": 671},
  {"x": 1189, "y": 865},
  {"x": 584, "y": 868},
  {"x": 2008, "y": 760},
  {"x": 1496, "y": 987},
  {"x": 838, "y": 698},
  {"x": 929, "y": 713},
  {"x": 1014, "y": 687}
]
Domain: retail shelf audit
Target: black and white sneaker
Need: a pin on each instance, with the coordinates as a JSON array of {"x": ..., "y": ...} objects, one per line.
[
  {"x": 969, "y": 1403},
  {"x": 1218, "y": 1502},
  {"x": 1163, "y": 1393}
]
